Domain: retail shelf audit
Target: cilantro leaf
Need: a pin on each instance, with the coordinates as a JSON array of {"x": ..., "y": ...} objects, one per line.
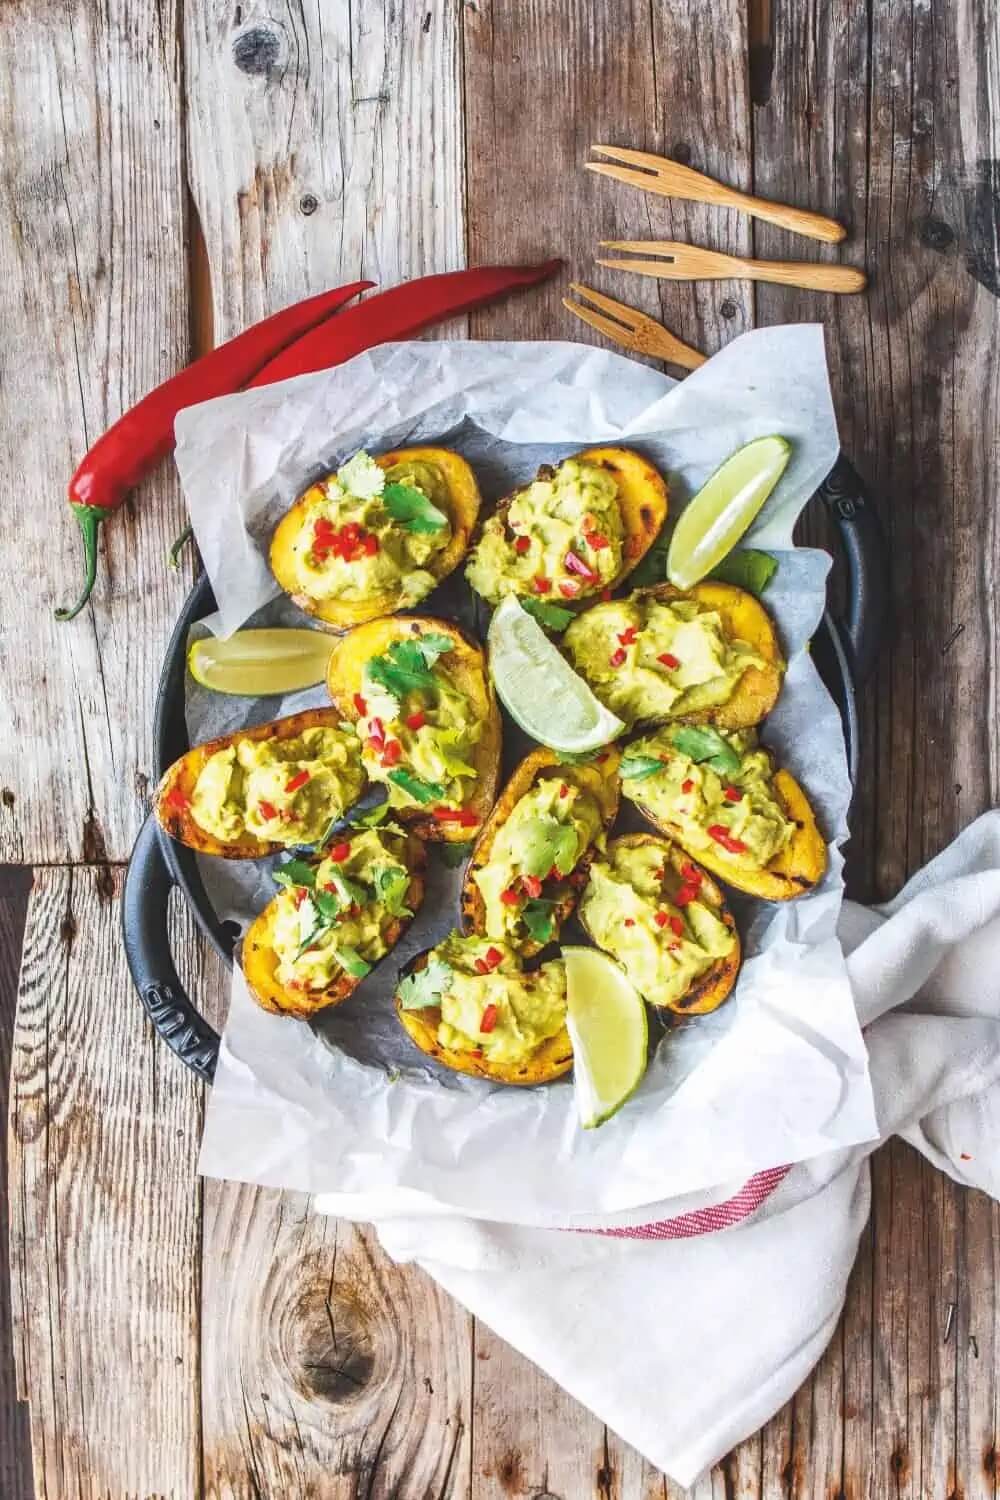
[
  {"x": 295, "y": 872},
  {"x": 424, "y": 792},
  {"x": 703, "y": 744},
  {"x": 406, "y": 666},
  {"x": 552, "y": 616},
  {"x": 328, "y": 904},
  {"x": 373, "y": 817},
  {"x": 747, "y": 569},
  {"x": 412, "y": 509},
  {"x": 424, "y": 987},
  {"x": 543, "y": 843},
  {"x": 539, "y": 919},
  {"x": 391, "y": 885},
  {"x": 638, "y": 767},
  {"x": 349, "y": 893},
  {"x": 351, "y": 961},
  {"x": 453, "y": 855}
]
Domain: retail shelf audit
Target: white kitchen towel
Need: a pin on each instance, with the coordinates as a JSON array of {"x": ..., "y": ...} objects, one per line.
[{"x": 685, "y": 1332}]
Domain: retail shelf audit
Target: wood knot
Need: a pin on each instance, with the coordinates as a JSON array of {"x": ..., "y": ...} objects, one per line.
[
  {"x": 728, "y": 308},
  {"x": 308, "y": 204},
  {"x": 681, "y": 151},
  {"x": 257, "y": 50},
  {"x": 899, "y": 1464},
  {"x": 7, "y": 797},
  {"x": 936, "y": 234},
  {"x": 331, "y": 1340},
  {"x": 990, "y": 1461}
]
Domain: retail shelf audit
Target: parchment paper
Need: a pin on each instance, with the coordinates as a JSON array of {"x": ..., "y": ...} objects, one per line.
[{"x": 349, "y": 1106}]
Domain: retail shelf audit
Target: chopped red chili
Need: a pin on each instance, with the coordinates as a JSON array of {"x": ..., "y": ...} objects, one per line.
[
  {"x": 563, "y": 789},
  {"x": 628, "y": 636},
  {"x": 661, "y": 918},
  {"x": 494, "y": 957},
  {"x": 630, "y": 921},
  {"x": 685, "y": 895},
  {"x": 532, "y": 885},
  {"x": 510, "y": 897},
  {"x": 596, "y": 540},
  {"x": 725, "y": 838},
  {"x": 391, "y": 752},
  {"x": 522, "y": 544},
  {"x": 462, "y": 815},
  {"x": 268, "y": 810},
  {"x": 691, "y": 874},
  {"x": 569, "y": 589},
  {"x": 542, "y": 585},
  {"x": 489, "y": 1019},
  {"x": 360, "y": 705},
  {"x": 297, "y": 781},
  {"x": 733, "y": 794},
  {"x": 416, "y": 721},
  {"x": 339, "y": 853},
  {"x": 669, "y": 660},
  {"x": 687, "y": 786},
  {"x": 475, "y": 1051},
  {"x": 677, "y": 926},
  {"x": 376, "y": 733},
  {"x": 617, "y": 657},
  {"x": 481, "y": 966}
]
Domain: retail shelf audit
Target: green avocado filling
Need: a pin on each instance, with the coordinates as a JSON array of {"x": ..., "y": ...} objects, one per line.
[
  {"x": 418, "y": 731},
  {"x": 336, "y": 917},
  {"x": 488, "y": 1005},
  {"x": 650, "y": 660},
  {"x": 538, "y": 846},
  {"x": 562, "y": 537},
  {"x": 369, "y": 531},
  {"x": 280, "y": 791},
  {"x": 714, "y": 789},
  {"x": 648, "y": 915}
]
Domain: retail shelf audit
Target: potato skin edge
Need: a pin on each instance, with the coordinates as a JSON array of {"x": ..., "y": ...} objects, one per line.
[
  {"x": 183, "y": 775},
  {"x": 464, "y": 502},
  {"x": 343, "y": 679}
]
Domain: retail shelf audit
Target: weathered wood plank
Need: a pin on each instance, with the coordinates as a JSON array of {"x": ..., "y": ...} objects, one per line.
[
  {"x": 93, "y": 307},
  {"x": 104, "y": 1210},
  {"x": 15, "y": 1435}
]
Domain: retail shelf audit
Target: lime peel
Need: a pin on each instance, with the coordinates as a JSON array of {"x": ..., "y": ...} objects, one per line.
[
  {"x": 724, "y": 509},
  {"x": 606, "y": 1020},
  {"x": 261, "y": 663},
  {"x": 539, "y": 688}
]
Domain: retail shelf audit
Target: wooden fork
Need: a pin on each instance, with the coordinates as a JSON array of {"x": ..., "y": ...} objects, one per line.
[
  {"x": 678, "y": 262},
  {"x": 633, "y": 329},
  {"x": 658, "y": 174}
]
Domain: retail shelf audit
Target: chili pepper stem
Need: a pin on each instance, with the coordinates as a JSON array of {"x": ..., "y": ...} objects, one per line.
[
  {"x": 89, "y": 518},
  {"x": 179, "y": 543}
]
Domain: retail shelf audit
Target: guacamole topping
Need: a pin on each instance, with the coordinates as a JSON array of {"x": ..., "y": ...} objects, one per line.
[
  {"x": 335, "y": 917},
  {"x": 488, "y": 1004},
  {"x": 649, "y": 916},
  {"x": 721, "y": 802},
  {"x": 283, "y": 791},
  {"x": 368, "y": 531},
  {"x": 647, "y": 659},
  {"x": 537, "y": 847},
  {"x": 562, "y": 537},
  {"x": 418, "y": 730}
]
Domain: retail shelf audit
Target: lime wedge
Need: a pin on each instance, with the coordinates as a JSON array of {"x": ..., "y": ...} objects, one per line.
[
  {"x": 539, "y": 688},
  {"x": 606, "y": 1020},
  {"x": 254, "y": 663},
  {"x": 723, "y": 508}
]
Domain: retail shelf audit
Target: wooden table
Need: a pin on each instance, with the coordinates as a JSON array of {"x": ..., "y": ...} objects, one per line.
[{"x": 170, "y": 173}]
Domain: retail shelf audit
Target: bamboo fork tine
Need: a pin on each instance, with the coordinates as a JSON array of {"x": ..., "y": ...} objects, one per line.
[
  {"x": 671, "y": 179},
  {"x": 633, "y": 329},
  {"x": 680, "y": 262}
]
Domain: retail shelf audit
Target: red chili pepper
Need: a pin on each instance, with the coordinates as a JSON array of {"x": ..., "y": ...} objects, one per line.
[
  {"x": 555, "y": 873},
  {"x": 685, "y": 895},
  {"x": 687, "y": 786},
  {"x": 391, "y": 752},
  {"x": 691, "y": 874},
  {"x": 733, "y": 794},
  {"x": 461, "y": 815},
  {"x": 510, "y": 897},
  {"x": 416, "y": 721},
  {"x": 360, "y": 705},
  {"x": 617, "y": 657},
  {"x": 268, "y": 810},
  {"x": 401, "y": 312},
  {"x": 370, "y": 545},
  {"x": 145, "y": 433},
  {"x": 677, "y": 926},
  {"x": 563, "y": 790},
  {"x": 577, "y": 565},
  {"x": 542, "y": 585},
  {"x": 339, "y": 853},
  {"x": 669, "y": 660},
  {"x": 569, "y": 589},
  {"x": 532, "y": 885},
  {"x": 596, "y": 540},
  {"x": 494, "y": 957},
  {"x": 376, "y": 733},
  {"x": 522, "y": 544},
  {"x": 299, "y": 896},
  {"x": 630, "y": 921},
  {"x": 475, "y": 1051},
  {"x": 297, "y": 781},
  {"x": 661, "y": 918},
  {"x": 489, "y": 1020},
  {"x": 481, "y": 966},
  {"x": 628, "y": 636},
  {"x": 725, "y": 838}
]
